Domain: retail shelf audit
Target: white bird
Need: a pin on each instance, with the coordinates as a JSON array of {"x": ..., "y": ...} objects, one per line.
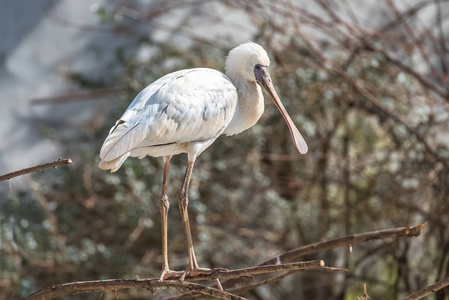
[{"x": 185, "y": 112}]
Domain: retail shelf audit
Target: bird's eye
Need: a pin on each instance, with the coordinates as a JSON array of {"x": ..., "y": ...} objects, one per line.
[{"x": 257, "y": 67}]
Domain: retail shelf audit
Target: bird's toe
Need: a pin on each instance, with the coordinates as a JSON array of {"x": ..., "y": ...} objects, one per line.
[{"x": 169, "y": 274}]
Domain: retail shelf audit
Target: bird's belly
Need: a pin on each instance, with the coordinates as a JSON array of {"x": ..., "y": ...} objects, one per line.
[{"x": 159, "y": 150}]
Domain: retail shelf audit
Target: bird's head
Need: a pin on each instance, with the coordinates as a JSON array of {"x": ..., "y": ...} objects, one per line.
[
  {"x": 250, "y": 61},
  {"x": 244, "y": 59}
]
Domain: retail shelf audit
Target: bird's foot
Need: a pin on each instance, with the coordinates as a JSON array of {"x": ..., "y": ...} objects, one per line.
[{"x": 167, "y": 273}]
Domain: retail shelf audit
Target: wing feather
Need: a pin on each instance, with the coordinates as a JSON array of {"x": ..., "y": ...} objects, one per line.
[{"x": 181, "y": 107}]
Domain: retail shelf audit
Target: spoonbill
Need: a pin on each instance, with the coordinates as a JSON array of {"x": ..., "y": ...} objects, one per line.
[{"x": 185, "y": 112}]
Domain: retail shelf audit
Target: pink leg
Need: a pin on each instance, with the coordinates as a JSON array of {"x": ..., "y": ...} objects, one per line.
[
  {"x": 164, "y": 206},
  {"x": 193, "y": 268}
]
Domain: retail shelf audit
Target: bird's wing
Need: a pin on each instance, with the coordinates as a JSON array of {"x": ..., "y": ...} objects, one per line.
[{"x": 184, "y": 106}]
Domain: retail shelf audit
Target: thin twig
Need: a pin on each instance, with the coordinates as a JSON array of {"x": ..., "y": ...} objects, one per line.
[
  {"x": 368, "y": 95},
  {"x": 83, "y": 287},
  {"x": 428, "y": 290},
  {"x": 365, "y": 295},
  {"x": 254, "y": 285},
  {"x": 347, "y": 240},
  {"x": 54, "y": 164}
]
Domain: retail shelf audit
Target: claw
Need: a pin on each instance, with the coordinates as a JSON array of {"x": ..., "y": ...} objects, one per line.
[{"x": 183, "y": 276}]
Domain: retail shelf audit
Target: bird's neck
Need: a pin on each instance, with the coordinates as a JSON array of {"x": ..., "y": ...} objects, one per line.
[{"x": 249, "y": 108}]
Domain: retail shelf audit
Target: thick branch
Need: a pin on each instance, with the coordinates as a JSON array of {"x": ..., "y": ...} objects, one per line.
[
  {"x": 428, "y": 290},
  {"x": 56, "y": 163},
  {"x": 82, "y": 287},
  {"x": 347, "y": 240}
]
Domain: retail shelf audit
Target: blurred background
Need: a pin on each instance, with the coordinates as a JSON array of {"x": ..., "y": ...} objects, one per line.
[{"x": 366, "y": 82}]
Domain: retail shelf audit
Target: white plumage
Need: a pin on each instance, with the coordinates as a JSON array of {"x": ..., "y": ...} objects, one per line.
[
  {"x": 184, "y": 112},
  {"x": 174, "y": 114}
]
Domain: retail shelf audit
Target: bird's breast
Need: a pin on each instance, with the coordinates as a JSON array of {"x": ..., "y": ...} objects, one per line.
[{"x": 249, "y": 109}]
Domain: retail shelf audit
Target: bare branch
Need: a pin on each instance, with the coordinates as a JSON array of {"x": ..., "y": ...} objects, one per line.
[
  {"x": 347, "y": 240},
  {"x": 54, "y": 164},
  {"x": 343, "y": 241},
  {"x": 246, "y": 286},
  {"x": 254, "y": 285},
  {"x": 251, "y": 271},
  {"x": 428, "y": 290},
  {"x": 82, "y": 287},
  {"x": 365, "y": 295}
]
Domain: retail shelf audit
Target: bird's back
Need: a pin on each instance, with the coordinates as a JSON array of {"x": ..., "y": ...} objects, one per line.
[{"x": 186, "y": 106}]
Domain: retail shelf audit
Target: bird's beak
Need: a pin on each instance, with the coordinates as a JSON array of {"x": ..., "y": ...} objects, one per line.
[{"x": 263, "y": 78}]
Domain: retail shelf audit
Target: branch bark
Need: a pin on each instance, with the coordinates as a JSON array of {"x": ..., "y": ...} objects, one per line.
[
  {"x": 347, "y": 240},
  {"x": 251, "y": 271},
  {"x": 82, "y": 287},
  {"x": 54, "y": 164},
  {"x": 428, "y": 290},
  {"x": 253, "y": 285}
]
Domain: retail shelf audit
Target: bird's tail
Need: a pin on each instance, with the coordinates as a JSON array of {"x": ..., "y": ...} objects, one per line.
[{"x": 114, "y": 164}]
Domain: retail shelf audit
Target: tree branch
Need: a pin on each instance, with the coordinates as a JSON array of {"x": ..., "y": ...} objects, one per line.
[
  {"x": 254, "y": 285},
  {"x": 428, "y": 290},
  {"x": 316, "y": 247},
  {"x": 54, "y": 164},
  {"x": 251, "y": 271},
  {"x": 246, "y": 286},
  {"x": 82, "y": 287},
  {"x": 347, "y": 240},
  {"x": 270, "y": 266}
]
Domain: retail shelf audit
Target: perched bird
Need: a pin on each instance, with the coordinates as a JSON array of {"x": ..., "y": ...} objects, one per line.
[{"x": 185, "y": 112}]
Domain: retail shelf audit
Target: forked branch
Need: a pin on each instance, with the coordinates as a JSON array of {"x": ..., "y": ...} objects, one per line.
[
  {"x": 83, "y": 287},
  {"x": 349, "y": 240},
  {"x": 270, "y": 266},
  {"x": 186, "y": 287}
]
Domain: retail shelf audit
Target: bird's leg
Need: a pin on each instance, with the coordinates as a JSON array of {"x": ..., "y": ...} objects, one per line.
[
  {"x": 193, "y": 268},
  {"x": 164, "y": 206},
  {"x": 183, "y": 203}
]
